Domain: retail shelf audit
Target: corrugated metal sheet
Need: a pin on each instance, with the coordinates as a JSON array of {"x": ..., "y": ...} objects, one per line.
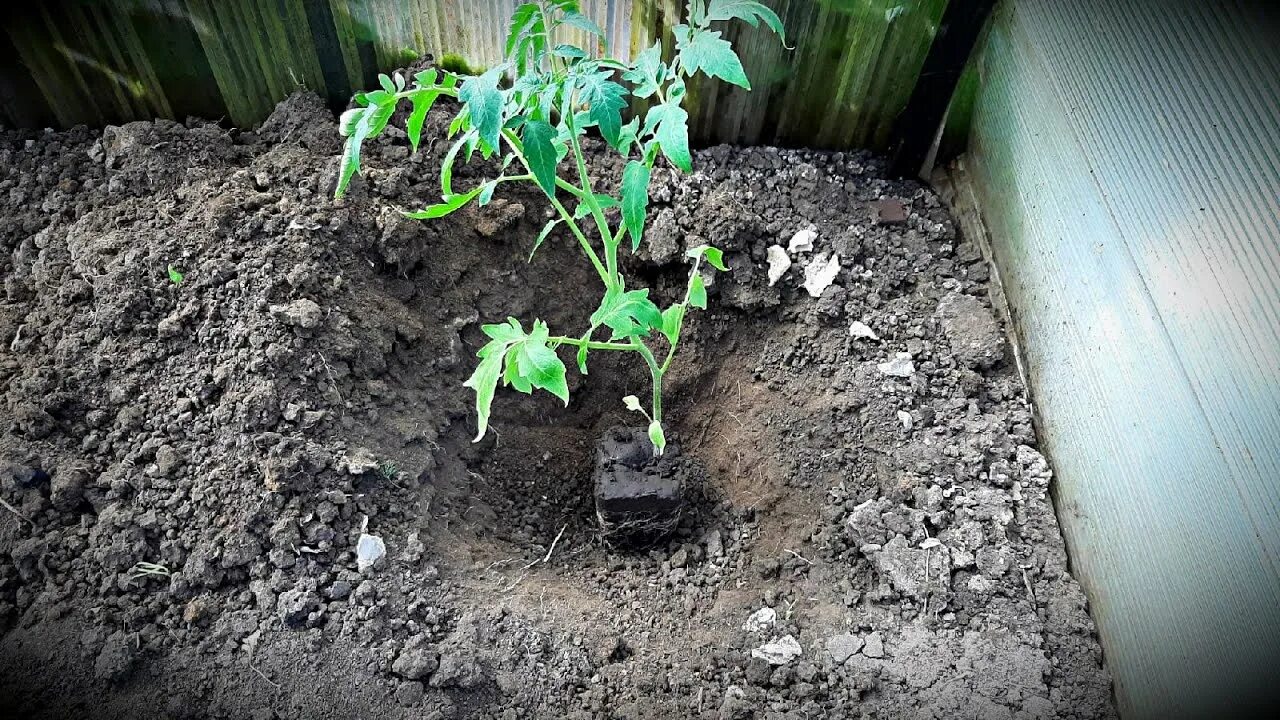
[
  {"x": 851, "y": 72},
  {"x": 1127, "y": 158}
]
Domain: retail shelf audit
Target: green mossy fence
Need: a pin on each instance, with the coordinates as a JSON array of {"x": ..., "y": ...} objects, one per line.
[{"x": 65, "y": 62}]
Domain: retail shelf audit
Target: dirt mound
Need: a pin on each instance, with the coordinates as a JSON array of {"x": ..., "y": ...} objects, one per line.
[{"x": 188, "y": 466}]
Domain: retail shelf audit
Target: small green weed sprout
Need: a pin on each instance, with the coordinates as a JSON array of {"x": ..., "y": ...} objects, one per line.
[
  {"x": 388, "y": 470},
  {"x": 148, "y": 569},
  {"x": 535, "y": 123},
  {"x": 175, "y": 277}
]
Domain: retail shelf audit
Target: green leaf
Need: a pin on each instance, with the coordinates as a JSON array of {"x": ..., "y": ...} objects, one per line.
[
  {"x": 386, "y": 83},
  {"x": 539, "y": 150},
  {"x": 672, "y": 133},
  {"x": 486, "y": 192},
  {"x": 628, "y": 314},
  {"x": 635, "y": 199},
  {"x": 570, "y": 52},
  {"x": 632, "y": 403},
  {"x": 520, "y": 360},
  {"x": 657, "y": 437},
  {"x": 542, "y": 236},
  {"x": 697, "y": 292},
  {"x": 576, "y": 19},
  {"x": 704, "y": 50},
  {"x": 483, "y": 103},
  {"x": 603, "y": 201},
  {"x": 605, "y": 100},
  {"x": 451, "y": 204},
  {"x": 484, "y": 380},
  {"x": 513, "y": 377},
  {"x": 647, "y": 71},
  {"x": 540, "y": 365},
  {"x": 582, "y": 356},
  {"x": 347, "y": 123},
  {"x": 714, "y": 255},
  {"x": 525, "y": 20},
  {"x": 426, "y": 78},
  {"x": 750, "y": 11},
  {"x": 422, "y": 102},
  {"x": 175, "y": 277},
  {"x": 671, "y": 319},
  {"x": 446, "y": 167}
]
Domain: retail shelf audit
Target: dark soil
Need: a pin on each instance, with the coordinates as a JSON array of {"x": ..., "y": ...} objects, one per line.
[{"x": 302, "y": 385}]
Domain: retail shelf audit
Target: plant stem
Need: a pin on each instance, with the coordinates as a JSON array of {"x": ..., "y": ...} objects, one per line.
[
  {"x": 656, "y": 372},
  {"x": 604, "y": 274},
  {"x": 671, "y": 351},
  {"x": 591, "y": 344}
]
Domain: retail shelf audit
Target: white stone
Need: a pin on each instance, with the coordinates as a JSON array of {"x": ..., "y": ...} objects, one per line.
[
  {"x": 904, "y": 417},
  {"x": 819, "y": 274},
  {"x": 779, "y": 263},
  {"x": 900, "y": 366},
  {"x": 802, "y": 241},
  {"x": 778, "y": 652},
  {"x": 860, "y": 329},
  {"x": 761, "y": 620}
]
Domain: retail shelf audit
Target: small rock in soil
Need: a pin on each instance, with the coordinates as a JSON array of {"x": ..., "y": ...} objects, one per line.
[
  {"x": 779, "y": 263},
  {"x": 417, "y": 660},
  {"x": 900, "y": 366},
  {"x": 778, "y": 652},
  {"x": 735, "y": 705},
  {"x": 303, "y": 313},
  {"x": 820, "y": 273},
  {"x": 874, "y": 646},
  {"x": 761, "y": 620},
  {"x": 410, "y": 693},
  {"x": 296, "y": 605},
  {"x": 458, "y": 668},
  {"x": 842, "y": 647},
  {"x": 802, "y": 241},
  {"x": 974, "y": 334},
  {"x": 116, "y": 658}
]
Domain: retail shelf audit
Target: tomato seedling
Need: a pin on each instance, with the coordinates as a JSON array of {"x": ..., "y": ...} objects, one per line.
[{"x": 534, "y": 123}]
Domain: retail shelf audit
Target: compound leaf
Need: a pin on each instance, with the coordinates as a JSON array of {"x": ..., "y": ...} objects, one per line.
[
  {"x": 483, "y": 103},
  {"x": 605, "y": 100},
  {"x": 748, "y": 10},
  {"x": 635, "y": 199},
  {"x": 628, "y": 314},
  {"x": 573, "y": 18},
  {"x": 672, "y": 134},
  {"x": 704, "y": 50},
  {"x": 539, "y": 364},
  {"x": 646, "y": 71}
]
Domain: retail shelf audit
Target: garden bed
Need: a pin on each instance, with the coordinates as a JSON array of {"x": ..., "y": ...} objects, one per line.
[{"x": 301, "y": 385}]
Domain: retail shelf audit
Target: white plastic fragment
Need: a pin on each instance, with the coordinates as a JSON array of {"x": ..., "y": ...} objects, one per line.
[
  {"x": 778, "y": 652},
  {"x": 904, "y": 417},
  {"x": 802, "y": 241},
  {"x": 819, "y": 274},
  {"x": 779, "y": 263},
  {"x": 761, "y": 620},
  {"x": 900, "y": 366},
  {"x": 860, "y": 329}
]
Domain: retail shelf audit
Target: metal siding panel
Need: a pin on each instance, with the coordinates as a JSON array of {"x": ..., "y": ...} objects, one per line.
[{"x": 1125, "y": 157}]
